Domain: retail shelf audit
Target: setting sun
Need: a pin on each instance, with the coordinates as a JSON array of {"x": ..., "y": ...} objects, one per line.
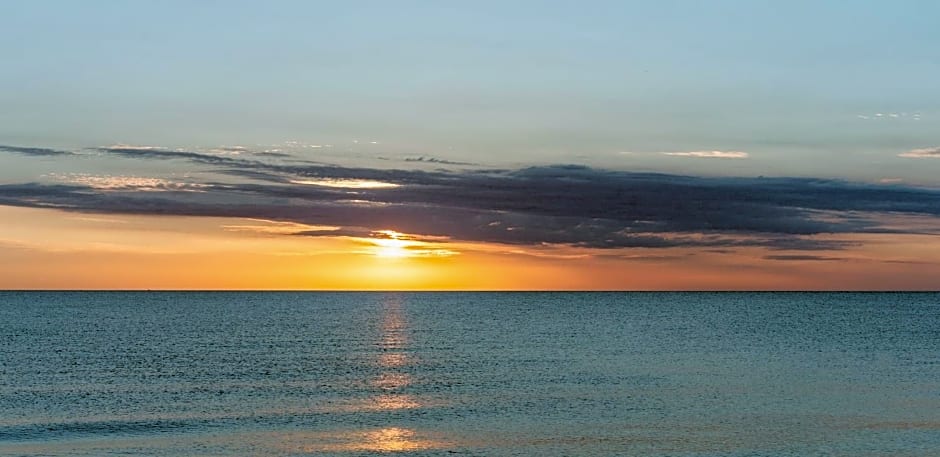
[{"x": 392, "y": 247}]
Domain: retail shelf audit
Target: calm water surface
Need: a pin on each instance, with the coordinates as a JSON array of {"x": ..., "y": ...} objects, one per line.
[{"x": 527, "y": 374}]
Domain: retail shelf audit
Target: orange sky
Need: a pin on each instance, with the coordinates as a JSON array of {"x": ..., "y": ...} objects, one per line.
[{"x": 51, "y": 249}]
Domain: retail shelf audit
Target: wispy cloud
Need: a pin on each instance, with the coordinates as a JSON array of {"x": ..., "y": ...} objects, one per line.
[
  {"x": 33, "y": 151},
  {"x": 923, "y": 153},
  {"x": 243, "y": 150},
  {"x": 277, "y": 227},
  {"x": 272, "y": 154},
  {"x": 229, "y": 150},
  {"x": 710, "y": 154},
  {"x": 134, "y": 183},
  {"x": 427, "y": 159},
  {"x": 345, "y": 183},
  {"x": 890, "y": 116},
  {"x": 804, "y": 258},
  {"x": 134, "y": 147},
  {"x": 298, "y": 145},
  {"x": 239, "y": 161}
]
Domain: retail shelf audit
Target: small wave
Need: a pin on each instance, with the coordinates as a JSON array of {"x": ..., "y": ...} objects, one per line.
[{"x": 63, "y": 429}]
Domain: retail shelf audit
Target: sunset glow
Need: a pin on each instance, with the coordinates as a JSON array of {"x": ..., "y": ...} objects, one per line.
[{"x": 561, "y": 147}]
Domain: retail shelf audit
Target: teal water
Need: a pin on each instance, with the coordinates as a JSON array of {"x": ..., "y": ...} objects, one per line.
[{"x": 501, "y": 374}]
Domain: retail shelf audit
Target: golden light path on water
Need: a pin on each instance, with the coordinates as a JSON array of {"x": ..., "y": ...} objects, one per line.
[
  {"x": 393, "y": 342},
  {"x": 389, "y": 439},
  {"x": 386, "y": 439}
]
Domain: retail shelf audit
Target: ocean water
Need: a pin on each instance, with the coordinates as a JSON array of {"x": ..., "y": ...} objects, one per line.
[{"x": 491, "y": 374}]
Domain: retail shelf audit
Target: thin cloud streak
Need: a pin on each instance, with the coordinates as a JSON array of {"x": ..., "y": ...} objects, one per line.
[
  {"x": 923, "y": 153},
  {"x": 30, "y": 151},
  {"x": 135, "y": 183},
  {"x": 427, "y": 159},
  {"x": 710, "y": 154},
  {"x": 804, "y": 258}
]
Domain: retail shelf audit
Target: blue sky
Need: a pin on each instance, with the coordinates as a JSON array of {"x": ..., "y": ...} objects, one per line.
[{"x": 798, "y": 86}]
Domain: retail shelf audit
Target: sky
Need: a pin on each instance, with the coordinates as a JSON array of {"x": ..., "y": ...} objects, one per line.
[{"x": 620, "y": 145}]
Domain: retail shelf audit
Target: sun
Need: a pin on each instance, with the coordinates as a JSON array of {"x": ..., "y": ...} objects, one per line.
[
  {"x": 389, "y": 244},
  {"x": 392, "y": 246}
]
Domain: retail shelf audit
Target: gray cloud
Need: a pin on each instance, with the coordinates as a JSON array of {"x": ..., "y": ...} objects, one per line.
[
  {"x": 134, "y": 152},
  {"x": 33, "y": 151},
  {"x": 436, "y": 160},
  {"x": 561, "y": 204},
  {"x": 272, "y": 154}
]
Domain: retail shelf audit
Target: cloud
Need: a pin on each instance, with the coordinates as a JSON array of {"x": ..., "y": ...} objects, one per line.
[
  {"x": 33, "y": 151},
  {"x": 137, "y": 147},
  {"x": 710, "y": 154},
  {"x": 272, "y": 154},
  {"x": 229, "y": 150},
  {"x": 240, "y": 150},
  {"x": 344, "y": 183},
  {"x": 155, "y": 152},
  {"x": 804, "y": 257},
  {"x": 427, "y": 159},
  {"x": 569, "y": 205},
  {"x": 277, "y": 228},
  {"x": 239, "y": 163},
  {"x": 890, "y": 116},
  {"x": 823, "y": 258},
  {"x": 923, "y": 153},
  {"x": 137, "y": 183}
]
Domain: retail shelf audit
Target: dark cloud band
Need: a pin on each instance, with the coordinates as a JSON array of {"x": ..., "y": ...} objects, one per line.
[{"x": 563, "y": 204}]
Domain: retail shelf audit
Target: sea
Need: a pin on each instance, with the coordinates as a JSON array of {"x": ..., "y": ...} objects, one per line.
[{"x": 471, "y": 374}]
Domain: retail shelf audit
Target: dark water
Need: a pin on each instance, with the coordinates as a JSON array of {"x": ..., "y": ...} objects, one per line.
[{"x": 540, "y": 374}]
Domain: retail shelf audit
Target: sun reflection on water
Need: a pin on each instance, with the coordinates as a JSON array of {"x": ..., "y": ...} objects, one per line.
[
  {"x": 387, "y": 439},
  {"x": 393, "y": 359},
  {"x": 394, "y": 345},
  {"x": 393, "y": 402},
  {"x": 393, "y": 439},
  {"x": 394, "y": 327},
  {"x": 392, "y": 381}
]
